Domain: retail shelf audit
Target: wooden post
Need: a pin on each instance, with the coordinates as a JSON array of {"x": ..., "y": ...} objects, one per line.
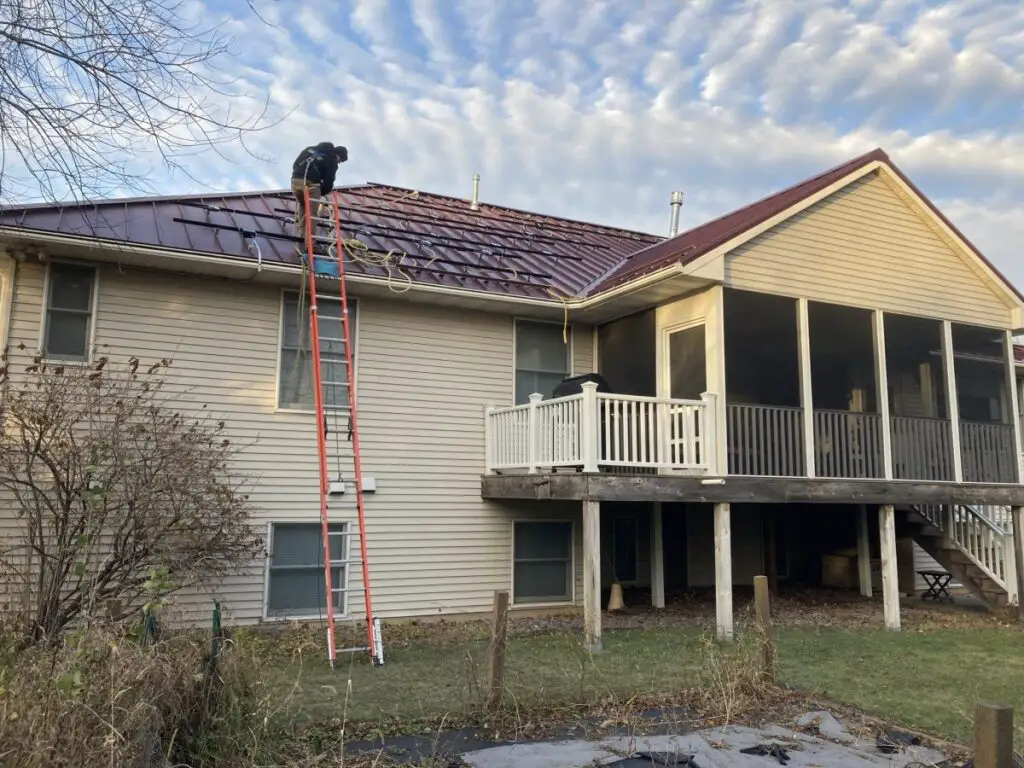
[
  {"x": 489, "y": 437},
  {"x": 590, "y": 427},
  {"x": 953, "y": 402},
  {"x": 1017, "y": 516},
  {"x": 863, "y": 551},
  {"x": 592, "y": 575},
  {"x": 993, "y": 736},
  {"x": 890, "y": 575},
  {"x": 533, "y": 432},
  {"x": 657, "y": 557},
  {"x": 496, "y": 659},
  {"x": 1011, "y": 396},
  {"x": 723, "y": 572},
  {"x": 762, "y": 608},
  {"x": 806, "y": 397}
]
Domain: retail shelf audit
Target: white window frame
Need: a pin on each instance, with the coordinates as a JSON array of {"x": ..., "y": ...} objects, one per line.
[
  {"x": 530, "y": 603},
  {"x": 569, "y": 348},
  {"x": 345, "y": 564},
  {"x": 44, "y": 317},
  {"x": 353, "y": 305}
]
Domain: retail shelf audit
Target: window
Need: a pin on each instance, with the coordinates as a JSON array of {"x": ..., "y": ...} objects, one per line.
[
  {"x": 542, "y": 359},
  {"x": 67, "y": 326},
  {"x": 295, "y": 390},
  {"x": 542, "y": 562},
  {"x": 296, "y": 572}
]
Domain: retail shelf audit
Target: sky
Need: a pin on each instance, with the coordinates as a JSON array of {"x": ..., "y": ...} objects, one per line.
[{"x": 599, "y": 109}]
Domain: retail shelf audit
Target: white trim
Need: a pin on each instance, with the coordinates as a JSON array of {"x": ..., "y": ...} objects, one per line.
[
  {"x": 803, "y": 336},
  {"x": 353, "y": 303},
  {"x": 1013, "y": 397},
  {"x": 570, "y": 346},
  {"x": 343, "y": 614},
  {"x": 512, "y": 563},
  {"x": 882, "y": 391},
  {"x": 952, "y": 403},
  {"x": 9, "y": 278},
  {"x": 90, "y": 342}
]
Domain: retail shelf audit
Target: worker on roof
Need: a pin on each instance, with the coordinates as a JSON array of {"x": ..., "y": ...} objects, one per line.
[{"x": 314, "y": 169}]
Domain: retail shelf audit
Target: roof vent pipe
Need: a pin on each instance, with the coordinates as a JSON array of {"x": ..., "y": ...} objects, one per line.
[
  {"x": 676, "y": 201},
  {"x": 475, "y": 202}
]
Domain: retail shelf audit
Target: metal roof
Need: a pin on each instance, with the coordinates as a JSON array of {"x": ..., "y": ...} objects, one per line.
[{"x": 433, "y": 239}]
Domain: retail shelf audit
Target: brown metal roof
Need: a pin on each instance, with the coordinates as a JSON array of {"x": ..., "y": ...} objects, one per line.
[
  {"x": 693, "y": 243},
  {"x": 434, "y": 239}
]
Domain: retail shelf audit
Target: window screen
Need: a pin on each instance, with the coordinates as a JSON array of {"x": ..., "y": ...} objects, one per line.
[
  {"x": 542, "y": 359},
  {"x": 296, "y": 377},
  {"x": 296, "y": 571},
  {"x": 542, "y": 563},
  {"x": 69, "y": 312}
]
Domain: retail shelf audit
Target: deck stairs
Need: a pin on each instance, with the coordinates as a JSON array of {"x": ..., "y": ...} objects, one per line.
[{"x": 973, "y": 544}]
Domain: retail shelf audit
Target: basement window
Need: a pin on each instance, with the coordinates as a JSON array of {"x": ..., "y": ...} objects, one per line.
[
  {"x": 542, "y": 562},
  {"x": 295, "y": 574},
  {"x": 70, "y": 301}
]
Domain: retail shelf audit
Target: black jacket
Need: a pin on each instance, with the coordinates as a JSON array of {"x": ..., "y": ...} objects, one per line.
[{"x": 318, "y": 165}]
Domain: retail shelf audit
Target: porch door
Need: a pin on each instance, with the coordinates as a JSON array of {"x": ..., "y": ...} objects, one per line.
[{"x": 687, "y": 374}]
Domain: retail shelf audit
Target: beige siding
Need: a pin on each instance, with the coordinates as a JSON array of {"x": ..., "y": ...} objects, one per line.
[
  {"x": 866, "y": 246},
  {"x": 582, "y": 349},
  {"x": 424, "y": 376}
]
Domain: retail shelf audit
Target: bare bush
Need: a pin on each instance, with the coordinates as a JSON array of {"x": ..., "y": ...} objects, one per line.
[
  {"x": 119, "y": 494},
  {"x": 87, "y": 86}
]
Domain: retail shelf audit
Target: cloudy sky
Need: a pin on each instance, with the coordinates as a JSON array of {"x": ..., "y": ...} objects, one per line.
[{"x": 598, "y": 109}]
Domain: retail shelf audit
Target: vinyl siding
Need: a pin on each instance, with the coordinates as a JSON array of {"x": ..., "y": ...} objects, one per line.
[
  {"x": 866, "y": 246},
  {"x": 424, "y": 375}
]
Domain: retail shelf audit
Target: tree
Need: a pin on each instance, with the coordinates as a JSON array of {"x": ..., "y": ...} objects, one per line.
[
  {"x": 119, "y": 494},
  {"x": 86, "y": 86}
]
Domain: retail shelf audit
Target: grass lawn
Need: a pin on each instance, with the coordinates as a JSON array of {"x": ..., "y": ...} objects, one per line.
[{"x": 924, "y": 679}]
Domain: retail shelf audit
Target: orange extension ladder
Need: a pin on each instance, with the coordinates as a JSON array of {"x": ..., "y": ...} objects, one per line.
[{"x": 329, "y": 487}]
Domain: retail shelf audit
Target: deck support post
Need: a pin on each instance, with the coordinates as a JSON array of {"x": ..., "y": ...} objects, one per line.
[
  {"x": 1017, "y": 515},
  {"x": 863, "y": 551},
  {"x": 882, "y": 388},
  {"x": 592, "y": 575},
  {"x": 723, "y": 571},
  {"x": 890, "y": 575},
  {"x": 657, "y": 558},
  {"x": 1012, "y": 395}
]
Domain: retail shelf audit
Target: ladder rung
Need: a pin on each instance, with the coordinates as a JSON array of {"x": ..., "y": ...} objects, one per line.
[
  {"x": 345, "y": 590},
  {"x": 336, "y": 384},
  {"x": 332, "y": 338},
  {"x": 354, "y": 649},
  {"x": 343, "y": 533}
]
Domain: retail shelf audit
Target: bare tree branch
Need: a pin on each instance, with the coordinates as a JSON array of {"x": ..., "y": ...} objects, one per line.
[
  {"x": 87, "y": 87},
  {"x": 113, "y": 485}
]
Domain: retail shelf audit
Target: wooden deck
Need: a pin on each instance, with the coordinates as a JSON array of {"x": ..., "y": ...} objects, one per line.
[{"x": 603, "y": 486}]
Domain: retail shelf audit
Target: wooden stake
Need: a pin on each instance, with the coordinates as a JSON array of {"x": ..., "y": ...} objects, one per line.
[
  {"x": 496, "y": 658},
  {"x": 993, "y": 736},
  {"x": 762, "y": 608},
  {"x": 863, "y": 551}
]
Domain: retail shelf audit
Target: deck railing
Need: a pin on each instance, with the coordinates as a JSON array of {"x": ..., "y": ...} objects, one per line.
[
  {"x": 989, "y": 452},
  {"x": 921, "y": 449},
  {"x": 597, "y": 430},
  {"x": 765, "y": 440},
  {"x": 848, "y": 444}
]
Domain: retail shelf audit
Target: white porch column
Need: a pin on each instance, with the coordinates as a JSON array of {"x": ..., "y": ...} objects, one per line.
[
  {"x": 882, "y": 386},
  {"x": 723, "y": 571},
  {"x": 890, "y": 574},
  {"x": 863, "y": 551},
  {"x": 803, "y": 330},
  {"x": 1011, "y": 396},
  {"x": 592, "y": 575},
  {"x": 953, "y": 404},
  {"x": 657, "y": 558},
  {"x": 1017, "y": 515}
]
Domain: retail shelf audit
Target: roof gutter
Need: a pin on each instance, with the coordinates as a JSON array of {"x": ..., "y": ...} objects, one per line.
[{"x": 284, "y": 269}]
